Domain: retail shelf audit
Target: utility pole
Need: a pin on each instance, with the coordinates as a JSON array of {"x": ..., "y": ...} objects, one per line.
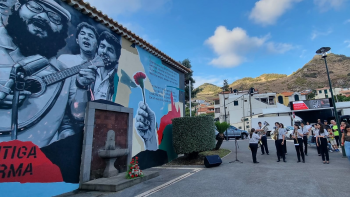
[
  {"x": 190, "y": 98},
  {"x": 250, "y": 102},
  {"x": 223, "y": 92},
  {"x": 243, "y": 115}
]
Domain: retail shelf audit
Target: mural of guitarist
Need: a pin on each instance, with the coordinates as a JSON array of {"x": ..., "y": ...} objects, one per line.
[{"x": 35, "y": 32}]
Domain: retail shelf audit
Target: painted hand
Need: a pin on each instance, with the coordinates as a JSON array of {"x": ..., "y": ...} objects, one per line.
[
  {"x": 145, "y": 126},
  {"x": 87, "y": 76},
  {"x": 7, "y": 101}
]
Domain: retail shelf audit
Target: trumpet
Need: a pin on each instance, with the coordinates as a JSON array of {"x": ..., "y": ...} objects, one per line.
[
  {"x": 296, "y": 136},
  {"x": 274, "y": 134}
]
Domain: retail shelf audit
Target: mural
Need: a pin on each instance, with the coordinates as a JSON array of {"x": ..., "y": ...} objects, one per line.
[{"x": 54, "y": 61}]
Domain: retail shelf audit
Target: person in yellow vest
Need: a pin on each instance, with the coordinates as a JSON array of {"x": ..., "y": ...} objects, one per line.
[{"x": 336, "y": 132}]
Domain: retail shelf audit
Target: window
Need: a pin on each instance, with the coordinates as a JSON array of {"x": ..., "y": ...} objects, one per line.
[
  {"x": 326, "y": 95},
  {"x": 217, "y": 102},
  {"x": 217, "y": 110},
  {"x": 247, "y": 126},
  {"x": 296, "y": 97},
  {"x": 239, "y": 127},
  {"x": 280, "y": 99},
  {"x": 235, "y": 103},
  {"x": 247, "y": 122},
  {"x": 320, "y": 91},
  {"x": 264, "y": 100},
  {"x": 325, "y": 91}
]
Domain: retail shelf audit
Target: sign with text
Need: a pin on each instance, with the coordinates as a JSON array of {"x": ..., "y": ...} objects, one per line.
[{"x": 311, "y": 104}]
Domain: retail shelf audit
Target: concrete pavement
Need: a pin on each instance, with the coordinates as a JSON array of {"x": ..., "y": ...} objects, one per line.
[{"x": 268, "y": 178}]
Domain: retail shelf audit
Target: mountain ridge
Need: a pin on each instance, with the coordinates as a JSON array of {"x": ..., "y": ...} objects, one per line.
[{"x": 311, "y": 76}]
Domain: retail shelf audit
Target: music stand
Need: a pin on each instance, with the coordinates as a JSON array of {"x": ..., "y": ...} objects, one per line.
[{"x": 236, "y": 144}]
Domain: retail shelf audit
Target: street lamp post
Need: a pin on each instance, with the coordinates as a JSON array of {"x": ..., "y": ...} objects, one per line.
[{"x": 323, "y": 51}]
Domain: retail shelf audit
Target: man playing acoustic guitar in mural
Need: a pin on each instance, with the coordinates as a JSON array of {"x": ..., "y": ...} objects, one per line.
[{"x": 35, "y": 32}]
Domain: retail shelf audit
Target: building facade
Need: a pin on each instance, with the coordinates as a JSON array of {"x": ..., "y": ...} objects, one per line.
[
  {"x": 325, "y": 92},
  {"x": 286, "y": 97},
  {"x": 55, "y": 40}
]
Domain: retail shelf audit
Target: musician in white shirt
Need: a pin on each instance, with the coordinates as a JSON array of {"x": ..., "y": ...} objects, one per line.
[
  {"x": 264, "y": 146},
  {"x": 322, "y": 142},
  {"x": 305, "y": 131},
  {"x": 253, "y": 143},
  {"x": 279, "y": 142},
  {"x": 298, "y": 142}
]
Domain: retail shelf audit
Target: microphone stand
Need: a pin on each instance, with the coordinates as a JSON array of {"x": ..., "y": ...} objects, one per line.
[{"x": 236, "y": 144}]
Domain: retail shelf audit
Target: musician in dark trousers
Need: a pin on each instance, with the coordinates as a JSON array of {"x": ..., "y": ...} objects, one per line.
[
  {"x": 279, "y": 142},
  {"x": 285, "y": 144},
  {"x": 253, "y": 143},
  {"x": 316, "y": 132},
  {"x": 321, "y": 141},
  {"x": 305, "y": 132},
  {"x": 264, "y": 146},
  {"x": 298, "y": 142}
]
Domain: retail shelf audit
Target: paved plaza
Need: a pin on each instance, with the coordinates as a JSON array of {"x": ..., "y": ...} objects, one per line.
[{"x": 268, "y": 178}]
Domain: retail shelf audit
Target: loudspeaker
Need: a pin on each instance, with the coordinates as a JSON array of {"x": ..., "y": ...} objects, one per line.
[{"x": 212, "y": 161}]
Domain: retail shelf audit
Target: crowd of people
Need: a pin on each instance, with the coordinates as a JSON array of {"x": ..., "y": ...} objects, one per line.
[{"x": 325, "y": 136}]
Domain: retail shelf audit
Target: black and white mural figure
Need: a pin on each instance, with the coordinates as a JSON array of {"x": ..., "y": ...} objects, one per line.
[
  {"x": 109, "y": 49},
  {"x": 5, "y": 10},
  {"x": 37, "y": 30},
  {"x": 146, "y": 126}
]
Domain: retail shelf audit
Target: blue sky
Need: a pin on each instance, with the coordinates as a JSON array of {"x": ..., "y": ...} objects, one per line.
[{"x": 232, "y": 39}]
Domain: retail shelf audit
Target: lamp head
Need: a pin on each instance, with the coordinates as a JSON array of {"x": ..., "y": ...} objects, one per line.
[{"x": 323, "y": 51}]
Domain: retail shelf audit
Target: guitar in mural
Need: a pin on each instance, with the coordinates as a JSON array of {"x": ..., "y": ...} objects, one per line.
[{"x": 46, "y": 86}]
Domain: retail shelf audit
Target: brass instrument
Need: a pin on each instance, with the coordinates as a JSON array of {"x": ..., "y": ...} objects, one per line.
[
  {"x": 274, "y": 135},
  {"x": 264, "y": 132},
  {"x": 296, "y": 136}
]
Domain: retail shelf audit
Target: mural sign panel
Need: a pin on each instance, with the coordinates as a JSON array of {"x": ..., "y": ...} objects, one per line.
[{"x": 55, "y": 60}]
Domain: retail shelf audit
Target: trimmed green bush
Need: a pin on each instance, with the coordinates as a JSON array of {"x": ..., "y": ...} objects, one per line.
[{"x": 193, "y": 134}]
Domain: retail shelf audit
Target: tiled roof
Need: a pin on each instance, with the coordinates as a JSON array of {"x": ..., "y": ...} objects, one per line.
[
  {"x": 92, "y": 12},
  {"x": 345, "y": 92},
  {"x": 305, "y": 93},
  {"x": 287, "y": 93}
]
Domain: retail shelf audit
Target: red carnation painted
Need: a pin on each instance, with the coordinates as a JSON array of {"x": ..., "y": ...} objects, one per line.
[{"x": 139, "y": 76}]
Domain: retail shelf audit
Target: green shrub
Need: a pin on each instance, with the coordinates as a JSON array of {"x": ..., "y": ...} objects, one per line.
[{"x": 193, "y": 134}]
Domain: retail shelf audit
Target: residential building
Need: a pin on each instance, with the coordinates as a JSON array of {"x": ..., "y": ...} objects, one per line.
[
  {"x": 345, "y": 93},
  {"x": 286, "y": 97},
  {"x": 325, "y": 92},
  {"x": 203, "y": 109}
]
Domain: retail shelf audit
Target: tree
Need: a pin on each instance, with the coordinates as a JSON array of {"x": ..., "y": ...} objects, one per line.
[
  {"x": 311, "y": 95},
  {"x": 225, "y": 87},
  {"x": 188, "y": 78}
]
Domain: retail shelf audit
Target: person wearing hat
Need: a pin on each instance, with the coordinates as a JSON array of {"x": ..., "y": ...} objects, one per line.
[{"x": 37, "y": 30}]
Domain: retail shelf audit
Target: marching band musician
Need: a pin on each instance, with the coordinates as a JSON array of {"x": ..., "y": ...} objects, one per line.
[
  {"x": 253, "y": 143},
  {"x": 263, "y": 139},
  {"x": 285, "y": 142},
  {"x": 316, "y": 132},
  {"x": 279, "y": 141},
  {"x": 305, "y": 132},
  {"x": 321, "y": 141},
  {"x": 298, "y": 142}
]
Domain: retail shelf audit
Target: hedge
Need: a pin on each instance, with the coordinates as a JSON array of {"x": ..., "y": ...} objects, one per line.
[{"x": 193, "y": 134}]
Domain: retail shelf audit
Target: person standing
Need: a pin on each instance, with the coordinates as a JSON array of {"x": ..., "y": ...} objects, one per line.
[
  {"x": 279, "y": 141},
  {"x": 264, "y": 147},
  {"x": 336, "y": 132},
  {"x": 305, "y": 131},
  {"x": 298, "y": 142},
  {"x": 345, "y": 141},
  {"x": 316, "y": 132},
  {"x": 285, "y": 143},
  {"x": 332, "y": 140},
  {"x": 321, "y": 141},
  {"x": 253, "y": 143}
]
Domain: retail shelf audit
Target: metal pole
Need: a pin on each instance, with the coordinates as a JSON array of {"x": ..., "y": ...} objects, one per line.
[
  {"x": 243, "y": 115},
  {"x": 250, "y": 104},
  {"x": 190, "y": 98},
  {"x": 335, "y": 107},
  {"x": 225, "y": 111}
]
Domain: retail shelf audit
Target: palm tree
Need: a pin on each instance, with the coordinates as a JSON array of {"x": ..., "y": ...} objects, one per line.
[{"x": 221, "y": 128}]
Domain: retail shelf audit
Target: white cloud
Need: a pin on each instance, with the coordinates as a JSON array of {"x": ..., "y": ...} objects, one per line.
[
  {"x": 347, "y": 42},
  {"x": 278, "y": 47},
  {"x": 303, "y": 52},
  {"x": 232, "y": 46},
  {"x": 316, "y": 33},
  {"x": 266, "y": 12},
  {"x": 325, "y": 5},
  {"x": 119, "y": 7}
]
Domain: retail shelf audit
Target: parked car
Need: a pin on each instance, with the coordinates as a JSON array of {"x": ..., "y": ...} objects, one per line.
[
  {"x": 233, "y": 132},
  {"x": 289, "y": 130}
]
